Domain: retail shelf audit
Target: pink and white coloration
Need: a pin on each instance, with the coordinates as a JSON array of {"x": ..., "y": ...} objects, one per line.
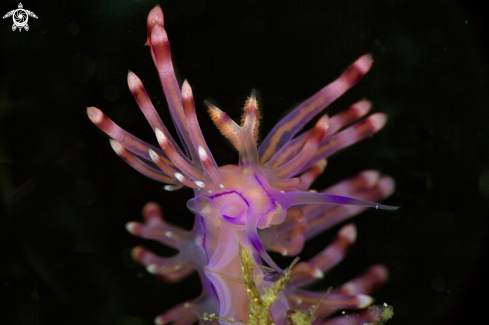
[{"x": 262, "y": 204}]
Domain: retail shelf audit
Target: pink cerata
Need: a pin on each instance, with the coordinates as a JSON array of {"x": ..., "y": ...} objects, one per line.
[{"x": 261, "y": 204}]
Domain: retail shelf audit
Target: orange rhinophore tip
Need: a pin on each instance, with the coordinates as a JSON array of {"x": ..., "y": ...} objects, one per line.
[
  {"x": 228, "y": 128},
  {"x": 251, "y": 116}
]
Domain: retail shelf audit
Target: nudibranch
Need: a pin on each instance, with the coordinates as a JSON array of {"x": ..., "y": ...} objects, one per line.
[{"x": 261, "y": 204}]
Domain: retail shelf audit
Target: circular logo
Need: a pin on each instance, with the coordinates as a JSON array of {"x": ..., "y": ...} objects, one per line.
[{"x": 20, "y": 17}]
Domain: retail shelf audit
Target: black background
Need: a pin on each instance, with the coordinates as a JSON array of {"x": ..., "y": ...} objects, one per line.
[{"x": 66, "y": 196}]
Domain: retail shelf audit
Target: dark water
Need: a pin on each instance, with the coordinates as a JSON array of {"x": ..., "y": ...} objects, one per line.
[{"x": 66, "y": 197}]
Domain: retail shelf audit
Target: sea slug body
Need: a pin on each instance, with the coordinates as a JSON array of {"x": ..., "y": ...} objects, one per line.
[{"x": 261, "y": 204}]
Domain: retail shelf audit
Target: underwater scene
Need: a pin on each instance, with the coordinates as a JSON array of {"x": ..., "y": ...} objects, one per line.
[{"x": 244, "y": 162}]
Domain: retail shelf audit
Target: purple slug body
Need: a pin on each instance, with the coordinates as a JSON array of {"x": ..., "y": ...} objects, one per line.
[{"x": 262, "y": 204}]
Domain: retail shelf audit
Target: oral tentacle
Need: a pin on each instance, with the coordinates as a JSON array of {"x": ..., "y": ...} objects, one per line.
[
  {"x": 291, "y": 199},
  {"x": 252, "y": 233}
]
